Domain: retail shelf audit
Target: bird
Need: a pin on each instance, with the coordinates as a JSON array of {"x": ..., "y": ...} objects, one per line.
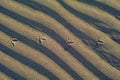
[
  {"x": 100, "y": 42},
  {"x": 69, "y": 42},
  {"x": 13, "y": 42},
  {"x": 40, "y": 39}
]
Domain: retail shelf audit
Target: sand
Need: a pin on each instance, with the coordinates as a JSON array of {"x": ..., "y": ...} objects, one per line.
[
  {"x": 4, "y": 77},
  {"x": 98, "y": 37}
]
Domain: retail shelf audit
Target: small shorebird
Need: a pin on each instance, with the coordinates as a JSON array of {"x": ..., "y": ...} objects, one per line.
[
  {"x": 69, "y": 42},
  {"x": 13, "y": 42},
  {"x": 100, "y": 42},
  {"x": 40, "y": 40}
]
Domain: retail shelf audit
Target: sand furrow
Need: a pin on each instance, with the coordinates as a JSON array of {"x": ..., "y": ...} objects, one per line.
[
  {"x": 36, "y": 56},
  {"x": 56, "y": 48},
  {"x": 83, "y": 26},
  {"x": 65, "y": 34},
  {"x": 115, "y": 4},
  {"x": 4, "y": 76},
  {"x": 20, "y": 68},
  {"x": 109, "y": 46},
  {"x": 84, "y": 50},
  {"x": 96, "y": 13}
]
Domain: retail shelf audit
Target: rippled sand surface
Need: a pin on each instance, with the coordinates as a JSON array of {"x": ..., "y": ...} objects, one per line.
[{"x": 59, "y": 40}]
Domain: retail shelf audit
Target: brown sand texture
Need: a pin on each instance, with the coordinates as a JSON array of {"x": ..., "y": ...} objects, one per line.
[{"x": 59, "y": 39}]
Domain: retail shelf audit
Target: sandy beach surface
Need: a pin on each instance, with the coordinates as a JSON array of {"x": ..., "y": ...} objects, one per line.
[{"x": 59, "y": 40}]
